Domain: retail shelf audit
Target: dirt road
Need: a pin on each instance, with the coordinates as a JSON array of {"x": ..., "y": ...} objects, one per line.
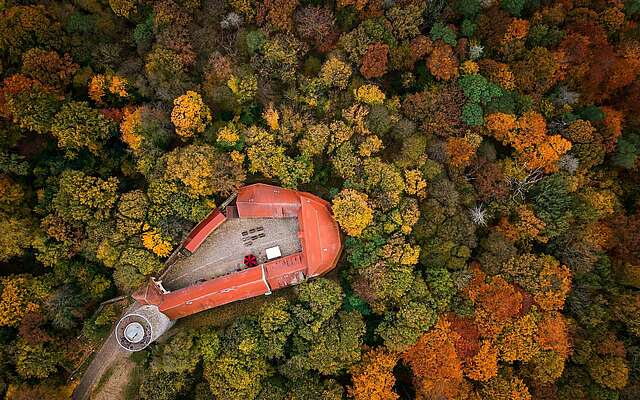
[{"x": 109, "y": 354}]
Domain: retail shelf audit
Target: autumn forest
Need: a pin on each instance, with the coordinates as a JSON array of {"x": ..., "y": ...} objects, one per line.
[{"x": 481, "y": 158}]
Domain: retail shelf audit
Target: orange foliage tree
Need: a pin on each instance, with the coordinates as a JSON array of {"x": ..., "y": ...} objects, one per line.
[
  {"x": 373, "y": 378},
  {"x": 496, "y": 301},
  {"x": 598, "y": 68},
  {"x": 541, "y": 275},
  {"x": 460, "y": 151},
  {"x": 516, "y": 30},
  {"x": 526, "y": 227},
  {"x": 530, "y": 130},
  {"x": 553, "y": 333},
  {"x": 498, "y": 73},
  {"x": 612, "y": 127},
  {"x": 467, "y": 338},
  {"x": 555, "y": 284},
  {"x": 279, "y": 13},
  {"x": 436, "y": 367},
  {"x": 500, "y": 125},
  {"x": 49, "y": 67},
  {"x": 539, "y": 71},
  {"x": 374, "y": 61},
  {"x": 484, "y": 365},
  {"x": 420, "y": 47},
  {"x": 528, "y": 136},
  {"x": 442, "y": 62},
  {"x": 16, "y": 299}
]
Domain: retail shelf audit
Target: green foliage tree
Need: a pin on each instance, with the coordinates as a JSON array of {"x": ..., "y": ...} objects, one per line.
[
  {"x": 84, "y": 198},
  {"x": 627, "y": 151},
  {"x": 479, "y": 92},
  {"x": 161, "y": 385},
  {"x": 553, "y": 203},
  {"x": 514, "y": 7},
  {"x": 269, "y": 159},
  {"x": 480, "y": 156},
  {"x": 442, "y": 31},
  {"x": 77, "y": 126},
  {"x": 36, "y": 361},
  {"x": 240, "y": 368},
  {"x": 334, "y": 348},
  {"x": 400, "y": 330}
]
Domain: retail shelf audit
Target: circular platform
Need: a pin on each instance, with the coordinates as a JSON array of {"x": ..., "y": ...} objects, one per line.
[{"x": 134, "y": 332}]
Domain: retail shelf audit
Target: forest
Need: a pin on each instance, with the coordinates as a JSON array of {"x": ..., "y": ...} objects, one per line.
[{"x": 481, "y": 158}]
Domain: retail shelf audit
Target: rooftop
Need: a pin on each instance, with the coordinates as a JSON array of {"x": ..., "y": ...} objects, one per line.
[{"x": 211, "y": 270}]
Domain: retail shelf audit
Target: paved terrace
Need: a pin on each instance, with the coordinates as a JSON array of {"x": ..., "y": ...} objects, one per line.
[{"x": 224, "y": 250}]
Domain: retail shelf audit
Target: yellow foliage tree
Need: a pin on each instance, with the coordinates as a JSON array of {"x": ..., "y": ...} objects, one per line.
[
  {"x": 128, "y": 128},
  {"x": 335, "y": 73},
  {"x": 505, "y": 388},
  {"x": 469, "y": 68},
  {"x": 517, "y": 342},
  {"x": 352, "y": 211},
  {"x": 415, "y": 183},
  {"x": 100, "y": 85},
  {"x": 243, "y": 87},
  {"x": 272, "y": 118},
  {"x": 155, "y": 241},
  {"x": 371, "y": 144},
  {"x": 228, "y": 135},
  {"x": 190, "y": 115},
  {"x": 369, "y": 94}
]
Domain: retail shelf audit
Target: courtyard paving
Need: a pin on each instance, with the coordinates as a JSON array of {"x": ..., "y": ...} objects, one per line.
[{"x": 224, "y": 250}]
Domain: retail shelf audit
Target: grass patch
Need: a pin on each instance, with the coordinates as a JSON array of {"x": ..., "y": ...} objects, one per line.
[
  {"x": 133, "y": 385},
  {"x": 105, "y": 378}
]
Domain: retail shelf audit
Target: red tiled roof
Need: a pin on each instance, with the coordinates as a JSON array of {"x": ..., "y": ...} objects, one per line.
[
  {"x": 285, "y": 271},
  {"x": 260, "y": 201},
  {"x": 213, "y": 293},
  {"x": 198, "y": 234},
  {"x": 320, "y": 235}
]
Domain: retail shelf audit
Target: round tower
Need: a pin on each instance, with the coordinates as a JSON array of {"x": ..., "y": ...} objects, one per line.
[{"x": 140, "y": 327}]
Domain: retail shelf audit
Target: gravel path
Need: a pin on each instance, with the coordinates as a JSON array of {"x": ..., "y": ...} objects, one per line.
[{"x": 109, "y": 354}]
